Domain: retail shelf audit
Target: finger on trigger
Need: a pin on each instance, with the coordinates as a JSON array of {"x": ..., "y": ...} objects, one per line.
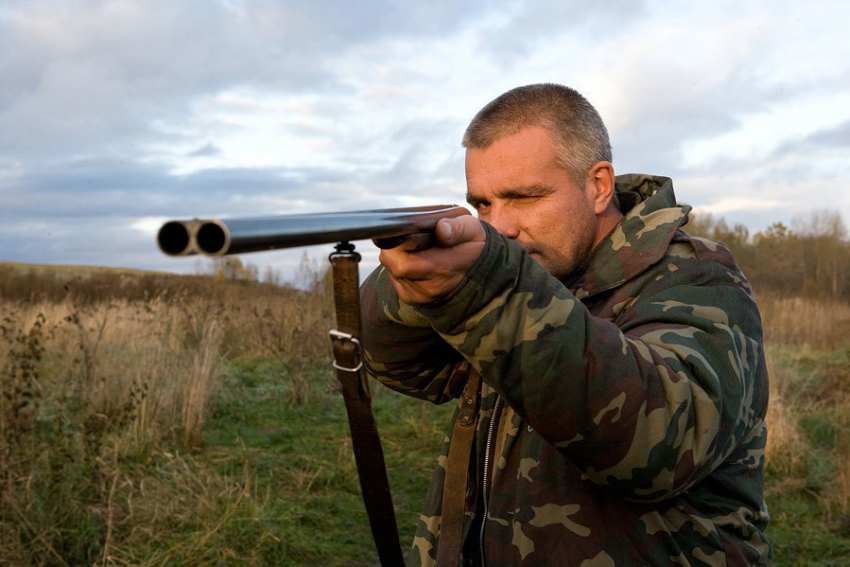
[
  {"x": 402, "y": 265},
  {"x": 417, "y": 241}
]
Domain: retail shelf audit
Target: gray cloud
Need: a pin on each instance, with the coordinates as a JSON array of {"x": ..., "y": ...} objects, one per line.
[
  {"x": 832, "y": 138},
  {"x": 837, "y": 137},
  {"x": 97, "y": 188},
  {"x": 207, "y": 150},
  {"x": 101, "y": 77}
]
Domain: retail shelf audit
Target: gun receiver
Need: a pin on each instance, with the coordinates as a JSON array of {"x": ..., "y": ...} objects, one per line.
[{"x": 386, "y": 227}]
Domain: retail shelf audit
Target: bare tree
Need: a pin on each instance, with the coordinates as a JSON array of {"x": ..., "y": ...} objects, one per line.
[{"x": 824, "y": 260}]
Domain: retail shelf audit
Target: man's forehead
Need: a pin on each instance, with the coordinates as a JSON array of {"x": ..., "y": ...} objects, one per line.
[{"x": 532, "y": 144}]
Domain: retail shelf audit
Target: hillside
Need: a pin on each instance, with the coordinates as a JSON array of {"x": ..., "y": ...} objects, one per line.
[{"x": 60, "y": 271}]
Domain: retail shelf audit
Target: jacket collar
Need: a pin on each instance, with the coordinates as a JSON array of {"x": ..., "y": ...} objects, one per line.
[{"x": 639, "y": 240}]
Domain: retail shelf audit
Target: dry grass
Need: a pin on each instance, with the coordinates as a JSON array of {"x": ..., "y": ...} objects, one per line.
[
  {"x": 196, "y": 390},
  {"x": 156, "y": 363},
  {"x": 807, "y": 384},
  {"x": 808, "y": 450},
  {"x": 158, "y": 380},
  {"x": 806, "y": 322},
  {"x": 786, "y": 444},
  {"x": 90, "y": 385}
]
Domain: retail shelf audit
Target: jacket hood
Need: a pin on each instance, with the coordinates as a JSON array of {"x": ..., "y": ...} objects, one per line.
[{"x": 640, "y": 239}]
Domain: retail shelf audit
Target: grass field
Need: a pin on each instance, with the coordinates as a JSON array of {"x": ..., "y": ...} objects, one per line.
[
  {"x": 205, "y": 428},
  {"x": 807, "y": 472}
]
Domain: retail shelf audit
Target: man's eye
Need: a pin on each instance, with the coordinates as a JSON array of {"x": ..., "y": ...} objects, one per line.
[{"x": 526, "y": 198}]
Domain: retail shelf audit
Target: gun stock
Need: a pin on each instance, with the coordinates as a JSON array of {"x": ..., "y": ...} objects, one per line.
[{"x": 386, "y": 227}]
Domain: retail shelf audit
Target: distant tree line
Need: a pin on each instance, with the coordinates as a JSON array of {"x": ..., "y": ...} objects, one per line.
[{"x": 810, "y": 258}]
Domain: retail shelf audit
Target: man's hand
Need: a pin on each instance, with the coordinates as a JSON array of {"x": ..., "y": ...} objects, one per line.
[{"x": 432, "y": 274}]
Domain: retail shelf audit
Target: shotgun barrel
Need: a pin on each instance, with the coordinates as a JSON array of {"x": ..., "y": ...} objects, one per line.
[{"x": 386, "y": 227}]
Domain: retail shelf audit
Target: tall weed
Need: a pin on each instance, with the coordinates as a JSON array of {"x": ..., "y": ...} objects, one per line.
[{"x": 196, "y": 389}]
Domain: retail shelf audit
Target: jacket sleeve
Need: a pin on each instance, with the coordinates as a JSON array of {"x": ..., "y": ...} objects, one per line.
[
  {"x": 401, "y": 348},
  {"x": 647, "y": 406}
]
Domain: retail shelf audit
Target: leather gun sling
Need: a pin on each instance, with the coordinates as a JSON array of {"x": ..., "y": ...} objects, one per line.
[
  {"x": 365, "y": 441},
  {"x": 457, "y": 474}
]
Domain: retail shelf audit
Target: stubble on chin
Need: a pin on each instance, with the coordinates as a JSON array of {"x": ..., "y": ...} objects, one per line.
[{"x": 557, "y": 264}]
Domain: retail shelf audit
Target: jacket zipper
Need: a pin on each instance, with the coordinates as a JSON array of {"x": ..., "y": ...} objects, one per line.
[{"x": 497, "y": 409}]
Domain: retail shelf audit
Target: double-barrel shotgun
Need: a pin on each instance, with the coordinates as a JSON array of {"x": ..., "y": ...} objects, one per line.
[{"x": 386, "y": 227}]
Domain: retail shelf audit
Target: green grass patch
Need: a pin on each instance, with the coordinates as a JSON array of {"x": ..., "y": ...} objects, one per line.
[
  {"x": 307, "y": 507},
  {"x": 809, "y": 523}
]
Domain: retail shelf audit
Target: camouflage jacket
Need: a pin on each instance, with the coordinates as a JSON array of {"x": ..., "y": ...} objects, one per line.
[{"x": 629, "y": 402}]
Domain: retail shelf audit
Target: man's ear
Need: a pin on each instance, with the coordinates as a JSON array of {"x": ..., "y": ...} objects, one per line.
[{"x": 600, "y": 185}]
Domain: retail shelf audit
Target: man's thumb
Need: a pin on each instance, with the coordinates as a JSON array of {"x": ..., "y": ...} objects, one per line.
[{"x": 454, "y": 231}]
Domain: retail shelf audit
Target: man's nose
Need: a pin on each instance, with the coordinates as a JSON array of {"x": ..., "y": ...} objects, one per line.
[{"x": 504, "y": 219}]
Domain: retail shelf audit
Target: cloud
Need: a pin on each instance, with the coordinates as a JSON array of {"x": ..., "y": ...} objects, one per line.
[
  {"x": 513, "y": 35},
  {"x": 116, "y": 113},
  {"x": 109, "y": 81},
  {"x": 733, "y": 204},
  {"x": 825, "y": 139},
  {"x": 837, "y": 137},
  {"x": 207, "y": 150}
]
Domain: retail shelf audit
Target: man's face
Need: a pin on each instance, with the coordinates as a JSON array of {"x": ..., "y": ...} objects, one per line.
[{"x": 516, "y": 185}]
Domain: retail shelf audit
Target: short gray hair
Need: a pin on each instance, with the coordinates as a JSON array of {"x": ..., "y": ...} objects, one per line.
[{"x": 578, "y": 133}]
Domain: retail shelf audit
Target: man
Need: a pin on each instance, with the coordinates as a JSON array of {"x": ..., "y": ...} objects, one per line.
[{"x": 623, "y": 386}]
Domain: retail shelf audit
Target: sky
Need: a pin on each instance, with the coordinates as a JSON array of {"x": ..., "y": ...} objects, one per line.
[{"x": 118, "y": 115}]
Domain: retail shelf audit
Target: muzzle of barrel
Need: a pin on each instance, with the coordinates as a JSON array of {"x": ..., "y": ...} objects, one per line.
[
  {"x": 177, "y": 238},
  {"x": 213, "y": 238}
]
